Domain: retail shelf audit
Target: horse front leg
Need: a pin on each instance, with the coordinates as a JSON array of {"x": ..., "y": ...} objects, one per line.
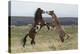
[{"x": 47, "y": 25}]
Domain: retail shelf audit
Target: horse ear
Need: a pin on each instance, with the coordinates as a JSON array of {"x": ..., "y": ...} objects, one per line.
[{"x": 39, "y": 8}]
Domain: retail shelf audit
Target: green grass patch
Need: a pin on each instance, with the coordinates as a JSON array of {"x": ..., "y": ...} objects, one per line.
[{"x": 45, "y": 40}]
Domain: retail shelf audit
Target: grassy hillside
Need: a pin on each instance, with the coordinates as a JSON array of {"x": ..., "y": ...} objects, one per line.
[{"x": 45, "y": 40}]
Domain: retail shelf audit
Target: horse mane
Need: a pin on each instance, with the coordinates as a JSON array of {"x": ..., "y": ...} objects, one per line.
[
  {"x": 37, "y": 10},
  {"x": 55, "y": 18},
  {"x": 37, "y": 13}
]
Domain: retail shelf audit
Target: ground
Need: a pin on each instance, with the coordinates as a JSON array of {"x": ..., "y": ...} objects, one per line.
[{"x": 45, "y": 40}]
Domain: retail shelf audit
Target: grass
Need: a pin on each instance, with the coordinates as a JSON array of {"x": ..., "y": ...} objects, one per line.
[{"x": 45, "y": 40}]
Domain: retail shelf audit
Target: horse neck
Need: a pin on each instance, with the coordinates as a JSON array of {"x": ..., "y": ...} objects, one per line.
[
  {"x": 38, "y": 16},
  {"x": 56, "y": 19}
]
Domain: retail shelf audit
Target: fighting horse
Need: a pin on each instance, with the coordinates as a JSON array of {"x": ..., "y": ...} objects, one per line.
[
  {"x": 58, "y": 26},
  {"x": 38, "y": 20},
  {"x": 38, "y": 24}
]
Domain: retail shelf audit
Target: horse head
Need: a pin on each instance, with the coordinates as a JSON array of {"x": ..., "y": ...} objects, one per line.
[
  {"x": 39, "y": 11},
  {"x": 50, "y": 12}
]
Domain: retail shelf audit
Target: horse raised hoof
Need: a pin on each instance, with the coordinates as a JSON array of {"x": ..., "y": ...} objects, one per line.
[
  {"x": 24, "y": 45},
  {"x": 62, "y": 40}
]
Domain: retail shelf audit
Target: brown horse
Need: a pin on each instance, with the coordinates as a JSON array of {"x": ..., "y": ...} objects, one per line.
[
  {"x": 38, "y": 20},
  {"x": 58, "y": 26},
  {"x": 38, "y": 24}
]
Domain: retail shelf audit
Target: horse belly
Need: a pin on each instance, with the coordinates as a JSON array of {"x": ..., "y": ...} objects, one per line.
[{"x": 32, "y": 35}]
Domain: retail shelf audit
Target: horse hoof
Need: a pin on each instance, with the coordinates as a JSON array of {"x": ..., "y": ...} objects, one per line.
[{"x": 24, "y": 46}]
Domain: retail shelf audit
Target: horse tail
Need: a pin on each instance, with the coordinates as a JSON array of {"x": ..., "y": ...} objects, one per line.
[
  {"x": 67, "y": 35},
  {"x": 24, "y": 40}
]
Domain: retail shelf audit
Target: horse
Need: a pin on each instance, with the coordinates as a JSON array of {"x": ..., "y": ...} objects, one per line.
[
  {"x": 38, "y": 20},
  {"x": 58, "y": 26},
  {"x": 38, "y": 24}
]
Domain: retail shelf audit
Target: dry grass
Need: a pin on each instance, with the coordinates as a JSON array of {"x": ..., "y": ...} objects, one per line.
[{"x": 45, "y": 40}]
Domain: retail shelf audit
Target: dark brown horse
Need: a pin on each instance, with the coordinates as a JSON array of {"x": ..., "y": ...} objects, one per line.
[
  {"x": 38, "y": 24},
  {"x": 38, "y": 20}
]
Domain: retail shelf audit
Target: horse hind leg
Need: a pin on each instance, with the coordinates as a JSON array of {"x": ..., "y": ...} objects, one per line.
[
  {"x": 68, "y": 36},
  {"x": 61, "y": 37},
  {"x": 24, "y": 40},
  {"x": 32, "y": 42}
]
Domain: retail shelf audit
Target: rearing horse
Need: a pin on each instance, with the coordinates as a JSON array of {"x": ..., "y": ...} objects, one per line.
[
  {"x": 38, "y": 24},
  {"x": 58, "y": 26},
  {"x": 38, "y": 20}
]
